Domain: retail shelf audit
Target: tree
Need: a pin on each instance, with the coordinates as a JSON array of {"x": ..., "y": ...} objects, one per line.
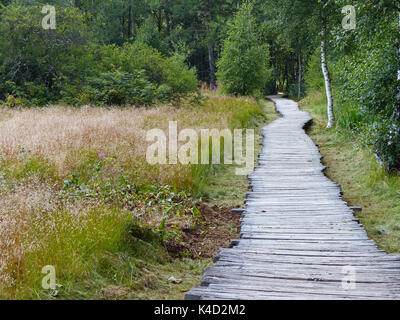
[
  {"x": 244, "y": 64},
  {"x": 324, "y": 64},
  {"x": 36, "y": 60}
]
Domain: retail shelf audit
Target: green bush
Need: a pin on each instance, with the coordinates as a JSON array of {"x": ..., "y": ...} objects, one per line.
[
  {"x": 160, "y": 70},
  {"x": 164, "y": 93},
  {"x": 148, "y": 35},
  {"x": 119, "y": 88},
  {"x": 367, "y": 101},
  {"x": 384, "y": 138},
  {"x": 13, "y": 102}
]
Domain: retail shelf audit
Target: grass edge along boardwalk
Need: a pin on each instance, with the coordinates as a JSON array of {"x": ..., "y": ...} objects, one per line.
[{"x": 299, "y": 239}]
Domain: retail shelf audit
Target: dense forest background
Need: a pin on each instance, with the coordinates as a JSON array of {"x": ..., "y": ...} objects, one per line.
[{"x": 141, "y": 51}]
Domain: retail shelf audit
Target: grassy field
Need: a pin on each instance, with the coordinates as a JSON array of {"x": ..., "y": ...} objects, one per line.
[
  {"x": 364, "y": 182},
  {"x": 77, "y": 193},
  {"x": 227, "y": 189}
]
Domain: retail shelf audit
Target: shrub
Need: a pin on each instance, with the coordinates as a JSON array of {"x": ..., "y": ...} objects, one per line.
[
  {"x": 367, "y": 97},
  {"x": 384, "y": 138},
  {"x": 119, "y": 88},
  {"x": 164, "y": 93},
  {"x": 13, "y": 102},
  {"x": 171, "y": 72}
]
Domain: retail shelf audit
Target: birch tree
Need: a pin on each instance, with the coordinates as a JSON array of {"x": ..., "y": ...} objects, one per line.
[{"x": 324, "y": 64}]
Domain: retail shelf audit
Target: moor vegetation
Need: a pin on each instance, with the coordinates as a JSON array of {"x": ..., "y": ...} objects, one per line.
[{"x": 76, "y": 191}]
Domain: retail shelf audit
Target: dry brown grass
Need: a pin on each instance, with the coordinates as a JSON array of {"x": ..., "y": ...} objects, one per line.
[
  {"x": 55, "y": 133},
  {"x": 39, "y": 227}
]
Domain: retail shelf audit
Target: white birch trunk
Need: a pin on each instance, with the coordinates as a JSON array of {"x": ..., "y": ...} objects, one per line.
[{"x": 325, "y": 71}]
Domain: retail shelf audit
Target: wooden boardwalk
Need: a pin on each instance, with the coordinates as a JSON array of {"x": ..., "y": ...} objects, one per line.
[{"x": 299, "y": 239}]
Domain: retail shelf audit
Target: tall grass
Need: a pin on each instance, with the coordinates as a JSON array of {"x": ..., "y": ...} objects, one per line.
[
  {"x": 346, "y": 116},
  {"x": 42, "y": 150}
]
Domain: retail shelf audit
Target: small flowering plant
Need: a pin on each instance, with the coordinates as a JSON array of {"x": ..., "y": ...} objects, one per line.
[
  {"x": 108, "y": 166},
  {"x": 111, "y": 183},
  {"x": 105, "y": 175}
]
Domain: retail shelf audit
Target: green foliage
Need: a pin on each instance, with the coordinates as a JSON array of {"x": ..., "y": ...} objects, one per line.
[
  {"x": 66, "y": 65},
  {"x": 107, "y": 180},
  {"x": 244, "y": 64},
  {"x": 366, "y": 80},
  {"x": 147, "y": 34},
  {"x": 171, "y": 73},
  {"x": 293, "y": 90},
  {"x": 33, "y": 60},
  {"x": 118, "y": 88},
  {"x": 314, "y": 79},
  {"x": 362, "y": 178},
  {"x": 12, "y": 102},
  {"x": 383, "y": 136}
]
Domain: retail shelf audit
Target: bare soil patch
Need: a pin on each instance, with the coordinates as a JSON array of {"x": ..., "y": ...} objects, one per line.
[{"x": 214, "y": 231}]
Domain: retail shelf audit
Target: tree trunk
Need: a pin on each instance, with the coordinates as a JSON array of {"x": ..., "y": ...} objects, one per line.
[
  {"x": 159, "y": 20},
  {"x": 133, "y": 26},
  {"x": 130, "y": 34},
  {"x": 293, "y": 67},
  {"x": 325, "y": 71},
  {"x": 274, "y": 66},
  {"x": 398, "y": 71},
  {"x": 168, "y": 22},
  {"x": 122, "y": 30},
  {"x": 211, "y": 59},
  {"x": 300, "y": 79},
  {"x": 397, "y": 108}
]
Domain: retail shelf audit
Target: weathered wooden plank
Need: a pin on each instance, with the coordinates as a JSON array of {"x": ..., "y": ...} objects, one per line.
[
  {"x": 309, "y": 270},
  {"x": 314, "y": 273},
  {"x": 301, "y": 253},
  {"x": 310, "y": 246},
  {"x": 216, "y": 293},
  {"x": 318, "y": 237},
  {"x": 299, "y": 224},
  {"x": 262, "y": 290},
  {"x": 299, "y": 230},
  {"x": 371, "y": 288},
  {"x": 263, "y": 259}
]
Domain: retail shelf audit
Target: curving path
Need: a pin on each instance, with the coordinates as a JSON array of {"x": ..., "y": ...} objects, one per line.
[{"x": 299, "y": 239}]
